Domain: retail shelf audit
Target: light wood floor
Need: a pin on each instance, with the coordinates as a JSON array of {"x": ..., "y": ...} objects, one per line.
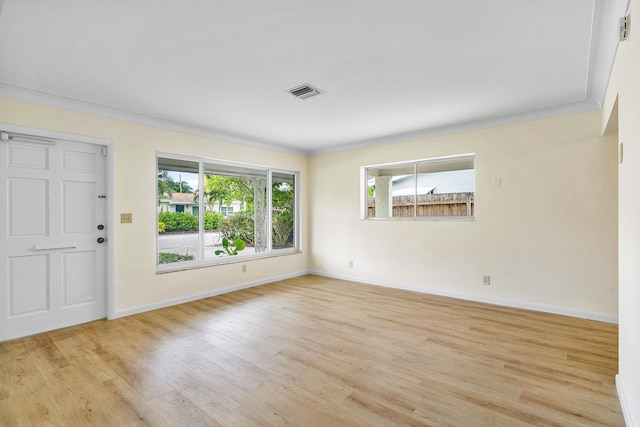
[{"x": 313, "y": 351}]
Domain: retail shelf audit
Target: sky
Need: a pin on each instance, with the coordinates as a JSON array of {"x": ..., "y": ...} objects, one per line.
[{"x": 190, "y": 178}]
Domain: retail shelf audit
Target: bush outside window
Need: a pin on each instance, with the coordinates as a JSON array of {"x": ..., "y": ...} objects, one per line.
[{"x": 204, "y": 205}]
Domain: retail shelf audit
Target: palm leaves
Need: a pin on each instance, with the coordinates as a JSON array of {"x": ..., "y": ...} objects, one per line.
[{"x": 165, "y": 186}]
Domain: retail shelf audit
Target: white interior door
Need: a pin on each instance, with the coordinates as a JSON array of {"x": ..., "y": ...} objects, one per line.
[{"x": 52, "y": 216}]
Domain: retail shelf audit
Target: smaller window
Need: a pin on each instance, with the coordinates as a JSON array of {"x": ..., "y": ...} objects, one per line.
[
  {"x": 438, "y": 188},
  {"x": 226, "y": 210}
]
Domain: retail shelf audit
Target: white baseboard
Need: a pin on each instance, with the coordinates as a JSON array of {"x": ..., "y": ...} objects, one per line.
[
  {"x": 212, "y": 293},
  {"x": 626, "y": 412},
  {"x": 479, "y": 298},
  {"x": 471, "y": 297}
]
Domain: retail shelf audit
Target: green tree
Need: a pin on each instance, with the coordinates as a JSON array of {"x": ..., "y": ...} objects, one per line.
[
  {"x": 216, "y": 190},
  {"x": 181, "y": 187},
  {"x": 283, "y": 201},
  {"x": 241, "y": 189},
  {"x": 225, "y": 189},
  {"x": 165, "y": 185}
]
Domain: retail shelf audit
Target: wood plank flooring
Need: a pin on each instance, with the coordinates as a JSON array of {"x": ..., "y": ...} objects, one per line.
[{"x": 313, "y": 351}]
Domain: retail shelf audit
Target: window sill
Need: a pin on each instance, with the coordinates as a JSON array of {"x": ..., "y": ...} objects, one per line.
[
  {"x": 424, "y": 218},
  {"x": 190, "y": 265}
]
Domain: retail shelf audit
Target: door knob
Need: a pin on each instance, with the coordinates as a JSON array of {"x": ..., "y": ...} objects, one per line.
[
  {"x": 101, "y": 227},
  {"x": 100, "y": 239}
]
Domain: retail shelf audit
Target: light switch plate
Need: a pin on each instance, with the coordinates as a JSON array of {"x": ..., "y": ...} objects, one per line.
[{"x": 126, "y": 218}]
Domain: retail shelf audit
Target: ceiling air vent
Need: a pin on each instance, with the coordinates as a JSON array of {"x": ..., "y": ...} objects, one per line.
[{"x": 304, "y": 91}]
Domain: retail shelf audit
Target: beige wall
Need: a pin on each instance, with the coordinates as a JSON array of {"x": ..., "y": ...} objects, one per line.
[
  {"x": 547, "y": 236},
  {"x": 135, "y": 146},
  {"x": 624, "y": 87}
]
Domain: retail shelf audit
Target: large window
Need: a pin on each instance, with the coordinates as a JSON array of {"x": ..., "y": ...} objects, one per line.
[
  {"x": 213, "y": 212},
  {"x": 438, "y": 188}
]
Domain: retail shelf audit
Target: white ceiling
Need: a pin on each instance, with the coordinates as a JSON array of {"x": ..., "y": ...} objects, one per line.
[{"x": 391, "y": 69}]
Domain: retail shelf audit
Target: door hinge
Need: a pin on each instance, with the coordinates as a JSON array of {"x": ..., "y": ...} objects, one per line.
[{"x": 623, "y": 29}]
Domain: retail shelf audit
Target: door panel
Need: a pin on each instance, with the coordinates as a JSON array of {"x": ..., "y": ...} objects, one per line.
[
  {"x": 28, "y": 284},
  {"x": 28, "y": 217},
  {"x": 52, "y": 270},
  {"x": 78, "y": 207},
  {"x": 28, "y": 157},
  {"x": 73, "y": 161},
  {"x": 79, "y": 277}
]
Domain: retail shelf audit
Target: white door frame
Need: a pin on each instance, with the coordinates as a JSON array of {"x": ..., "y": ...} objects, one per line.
[{"x": 110, "y": 181}]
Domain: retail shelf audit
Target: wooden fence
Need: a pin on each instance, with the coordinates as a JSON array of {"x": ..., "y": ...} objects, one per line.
[{"x": 447, "y": 204}]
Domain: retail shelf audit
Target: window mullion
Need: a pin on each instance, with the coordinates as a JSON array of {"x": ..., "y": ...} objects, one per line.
[{"x": 201, "y": 210}]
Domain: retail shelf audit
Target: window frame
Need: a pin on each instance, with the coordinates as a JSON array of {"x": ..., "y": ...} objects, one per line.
[
  {"x": 364, "y": 187},
  {"x": 269, "y": 251}
]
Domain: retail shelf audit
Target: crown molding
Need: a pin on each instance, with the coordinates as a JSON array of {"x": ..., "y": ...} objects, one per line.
[
  {"x": 559, "y": 110},
  {"x": 56, "y": 101},
  {"x": 78, "y": 106}
]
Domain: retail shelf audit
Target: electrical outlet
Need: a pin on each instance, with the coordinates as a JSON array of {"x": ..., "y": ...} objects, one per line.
[
  {"x": 126, "y": 218},
  {"x": 486, "y": 280},
  {"x": 244, "y": 268},
  {"x": 350, "y": 264}
]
